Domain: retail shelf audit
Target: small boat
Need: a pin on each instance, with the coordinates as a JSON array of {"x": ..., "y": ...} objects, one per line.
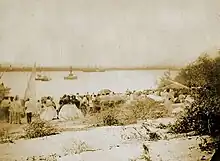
[
  {"x": 42, "y": 78},
  {"x": 39, "y": 77},
  {"x": 71, "y": 76},
  {"x": 45, "y": 78}
]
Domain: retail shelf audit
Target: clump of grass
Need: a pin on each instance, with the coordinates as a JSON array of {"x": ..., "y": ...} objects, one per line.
[
  {"x": 77, "y": 147},
  {"x": 162, "y": 126},
  {"x": 39, "y": 128},
  {"x": 4, "y": 136},
  {"x": 154, "y": 136},
  {"x": 124, "y": 114},
  {"x": 52, "y": 157},
  {"x": 110, "y": 120},
  {"x": 147, "y": 109}
]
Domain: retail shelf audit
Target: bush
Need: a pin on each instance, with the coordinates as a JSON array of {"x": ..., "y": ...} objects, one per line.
[
  {"x": 4, "y": 135},
  {"x": 39, "y": 128},
  {"x": 110, "y": 120},
  {"x": 77, "y": 147},
  {"x": 197, "y": 73},
  {"x": 124, "y": 114},
  {"x": 147, "y": 109},
  {"x": 204, "y": 115},
  {"x": 51, "y": 157}
]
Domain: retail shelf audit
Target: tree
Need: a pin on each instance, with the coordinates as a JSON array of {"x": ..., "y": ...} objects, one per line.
[
  {"x": 198, "y": 73},
  {"x": 204, "y": 116},
  {"x": 164, "y": 79}
]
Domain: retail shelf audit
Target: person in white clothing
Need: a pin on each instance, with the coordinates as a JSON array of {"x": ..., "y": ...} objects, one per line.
[
  {"x": 181, "y": 98},
  {"x": 30, "y": 109},
  {"x": 39, "y": 107},
  {"x": 49, "y": 112},
  {"x": 168, "y": 101},
  {"x": 188, "y": 101}
]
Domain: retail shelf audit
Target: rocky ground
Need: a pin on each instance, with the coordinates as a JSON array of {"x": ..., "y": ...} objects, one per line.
[{"x": 83, "y": 142}]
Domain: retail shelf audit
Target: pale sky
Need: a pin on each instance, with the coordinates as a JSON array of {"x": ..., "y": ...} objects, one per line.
[{"x": 107, "y": 32}]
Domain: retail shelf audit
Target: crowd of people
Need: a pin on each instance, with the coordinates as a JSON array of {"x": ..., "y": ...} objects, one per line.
[
  {"x": 14, "y": 109},
  {"x": 11, "y": 109},
  {"x": 76, "y": 106}
]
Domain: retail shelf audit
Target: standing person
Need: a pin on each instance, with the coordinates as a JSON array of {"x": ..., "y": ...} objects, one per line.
[
  {"x": 78, "y": 97},
  {"x": 11, "y": 111},
  {"x": 39, "y": 106},
  {"x": 17, "y": 110},
  {"x": 85, "y": 100},
  {"x": 188, "y": 101},
  {"x": 168, "y": 101},
  {"x": 75, "y": 101},
  {"x": 54, "y": 104},
  {"x": 181, "y": 97},
  {"x": 5, "y": 104},
  {"x": 49, "y": 112},
  {"x": 91, "y": 105},
  {"x": 29, "y": 106},
  {"x": 84, "y": 105}
]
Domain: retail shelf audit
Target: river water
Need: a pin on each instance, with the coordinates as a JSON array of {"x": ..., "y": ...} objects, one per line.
[{"x": 117, "y": 81}]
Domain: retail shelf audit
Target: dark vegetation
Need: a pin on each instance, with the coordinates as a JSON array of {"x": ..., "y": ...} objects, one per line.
[
  {"x": 39, "y": 128},
  {"x": 204, "y": 116}
]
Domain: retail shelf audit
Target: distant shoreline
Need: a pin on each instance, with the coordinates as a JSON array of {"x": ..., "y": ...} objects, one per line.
[{"x": 62, "y": 69}]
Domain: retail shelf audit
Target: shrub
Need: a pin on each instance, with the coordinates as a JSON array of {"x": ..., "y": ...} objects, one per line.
[
  {"x": 204, "y": 115},
  {"x": 4, "y": 135},
  {"x": 124, "y": 114},
  {"x": 51, "y": 157},
  {"x": 39, "y": 128},
  {"x": 147, "y": 109},
  {"x": 197, "y": 73},
  {"x": 77, "y": 147}
]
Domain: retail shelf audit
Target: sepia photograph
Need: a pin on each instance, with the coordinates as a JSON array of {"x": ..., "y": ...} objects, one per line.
[{"x": 109, "y": 80}]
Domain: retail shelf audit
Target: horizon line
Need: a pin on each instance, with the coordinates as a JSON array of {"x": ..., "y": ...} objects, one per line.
[{"x": 84, "y": 69}]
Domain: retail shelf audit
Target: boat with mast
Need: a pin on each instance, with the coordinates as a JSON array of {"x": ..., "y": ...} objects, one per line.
[
  {"x": 71, "y": 76},
  {"x": 42, "y": 77}
]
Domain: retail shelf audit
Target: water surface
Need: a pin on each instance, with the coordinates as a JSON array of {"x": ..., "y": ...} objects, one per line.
[{"x": 117, "y": 81}]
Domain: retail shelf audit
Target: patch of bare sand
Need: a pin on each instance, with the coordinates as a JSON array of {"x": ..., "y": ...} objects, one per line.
[
  {"x": 123, "y": 152},
  {"x": 98, "y": 138},
  {"x": 179, "y": 149},
  {"x": 105, "y": 144}
]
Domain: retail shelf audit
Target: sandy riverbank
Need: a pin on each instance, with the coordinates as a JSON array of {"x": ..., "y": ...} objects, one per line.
[{"x": 118, "y": 143}]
